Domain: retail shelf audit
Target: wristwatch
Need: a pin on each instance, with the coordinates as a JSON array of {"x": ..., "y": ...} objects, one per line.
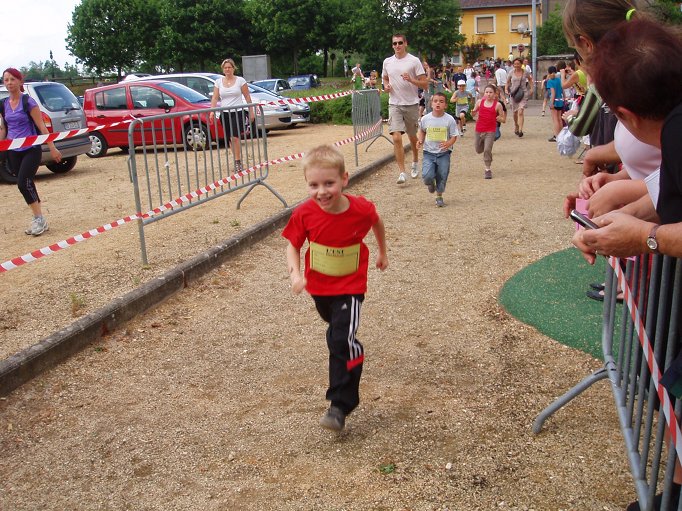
[{"x": 651, "y": 241}]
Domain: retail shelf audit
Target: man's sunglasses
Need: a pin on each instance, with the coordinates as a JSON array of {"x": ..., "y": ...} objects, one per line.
[{"x": 398, "y": 43}]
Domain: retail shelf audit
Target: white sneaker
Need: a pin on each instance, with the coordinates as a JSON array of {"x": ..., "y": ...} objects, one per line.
[
  {"x": 401, "y": 178},
  {"x": 415, "y": 170},
  {"x": 38, "y": 226}
]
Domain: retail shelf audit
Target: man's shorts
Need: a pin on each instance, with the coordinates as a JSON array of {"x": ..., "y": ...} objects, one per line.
[
  {"x": 461, "y": 108},
  {"x": 403, "y": 118}
]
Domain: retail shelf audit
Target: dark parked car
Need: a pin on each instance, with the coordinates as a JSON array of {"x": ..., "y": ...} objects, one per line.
[
  {"x": 301, "y": 82},
  {"x": 61, "y": 111},
  {"x": 125, "y": 100}
]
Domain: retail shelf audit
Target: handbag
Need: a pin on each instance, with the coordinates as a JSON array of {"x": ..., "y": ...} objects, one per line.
[
  {"x": 583, "y": 122},
  {"x": 517, "y": 94}
]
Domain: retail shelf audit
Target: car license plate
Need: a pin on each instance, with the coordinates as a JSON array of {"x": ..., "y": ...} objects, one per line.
[{"x": 71, "y": 125}]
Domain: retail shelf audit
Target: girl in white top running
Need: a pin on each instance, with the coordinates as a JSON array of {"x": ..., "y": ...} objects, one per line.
[{"x": 231, "y": 90}]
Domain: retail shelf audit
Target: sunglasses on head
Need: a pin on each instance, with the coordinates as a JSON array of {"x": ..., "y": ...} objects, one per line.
[{"x": 398, "y": 43}]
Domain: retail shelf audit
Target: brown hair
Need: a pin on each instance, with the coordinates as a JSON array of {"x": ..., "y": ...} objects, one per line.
[
  {"x": 593, "y": 18},
  {"x": 646, "y": 49},
  {"x": 324, "y": 156},
  {"x": 402, "y": 36}
]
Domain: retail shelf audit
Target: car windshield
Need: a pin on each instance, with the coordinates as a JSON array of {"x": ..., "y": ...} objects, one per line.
[
  {"x": 298, "y": 80},
  {"x": 189, "y": 95},
  {"x": 266, "y": 84},
  {"x": 253, "y": 88},
  {"x": 55, "y": 97}
]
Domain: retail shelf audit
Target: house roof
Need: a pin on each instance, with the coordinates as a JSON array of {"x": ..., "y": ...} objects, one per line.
[{"x": 482, "y": 4}]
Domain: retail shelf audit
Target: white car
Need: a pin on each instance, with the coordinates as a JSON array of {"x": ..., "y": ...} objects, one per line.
[
  {"x": 276, "y": 116},
  {"x": 300, "y": 112}
]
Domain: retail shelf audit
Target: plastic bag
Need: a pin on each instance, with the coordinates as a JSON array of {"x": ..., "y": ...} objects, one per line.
[{"x": 567, "y": 143}]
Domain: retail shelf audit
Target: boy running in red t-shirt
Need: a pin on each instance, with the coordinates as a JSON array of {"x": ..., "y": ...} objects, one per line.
[{"x": 336, "y": 264}]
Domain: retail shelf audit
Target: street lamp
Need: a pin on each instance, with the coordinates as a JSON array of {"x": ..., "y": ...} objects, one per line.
[{"x": 52, "y": 64}]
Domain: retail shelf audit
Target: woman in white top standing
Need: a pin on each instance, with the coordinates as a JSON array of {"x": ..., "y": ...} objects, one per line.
[{"x": 231, "y": 90}]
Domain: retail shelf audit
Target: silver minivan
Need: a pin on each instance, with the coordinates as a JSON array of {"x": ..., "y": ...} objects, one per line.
[
  {"x": 276, "y": 116},
  {"x": 61, "y": 111}
]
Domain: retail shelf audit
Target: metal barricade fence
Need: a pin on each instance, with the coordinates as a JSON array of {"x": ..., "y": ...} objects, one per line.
[
  {"x": 366, "y": 117},
  {"x": 640, "y": 339},
  {"x": 172, "y": 155}
]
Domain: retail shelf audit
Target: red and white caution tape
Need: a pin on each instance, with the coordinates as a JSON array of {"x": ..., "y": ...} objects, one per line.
[
  {"x": 310, "y": 99},
  {"x": 69, "y": 242},
  {"x": 647, "y": 349},
  {"x": 20, "y": 143}
]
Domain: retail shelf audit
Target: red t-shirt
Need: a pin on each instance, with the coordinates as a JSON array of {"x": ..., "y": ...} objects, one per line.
[{"x": 326, "y": 232}]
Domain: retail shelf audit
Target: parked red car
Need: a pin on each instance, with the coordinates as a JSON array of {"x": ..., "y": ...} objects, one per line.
[{"x": 128, "y": 100}]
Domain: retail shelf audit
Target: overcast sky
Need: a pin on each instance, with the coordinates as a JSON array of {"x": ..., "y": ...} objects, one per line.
[{"x": 30, "y": 29}]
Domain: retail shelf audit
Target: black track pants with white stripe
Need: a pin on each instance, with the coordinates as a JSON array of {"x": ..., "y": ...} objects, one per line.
[{"x": 342, "y": 313}]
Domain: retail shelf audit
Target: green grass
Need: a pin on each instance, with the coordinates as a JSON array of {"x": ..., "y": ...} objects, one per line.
[{"x": 550, "y": 295}]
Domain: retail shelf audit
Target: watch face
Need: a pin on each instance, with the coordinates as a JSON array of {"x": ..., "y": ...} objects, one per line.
[{"x": 652, "y": 243}]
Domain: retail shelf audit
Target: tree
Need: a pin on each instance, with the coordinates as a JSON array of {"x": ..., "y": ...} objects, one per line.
[
  {"x": 284, "y": 26},
  {"x": 551, "y": 39},
  {"x": 365, "y": 29},
  {"x": 106, "y": 35},
  {"x": 474, "y": 48},
  {"x": 198, "y": 34},
  {"x": 431, "y": 28},
  {"x": 667, "y": 11}
]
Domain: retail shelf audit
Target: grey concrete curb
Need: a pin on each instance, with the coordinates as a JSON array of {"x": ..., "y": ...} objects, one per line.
[{"x": 26, "y": 364}]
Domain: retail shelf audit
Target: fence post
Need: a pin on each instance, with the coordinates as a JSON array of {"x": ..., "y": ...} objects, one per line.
[
  {"x": 179, "y": 160},
  {"x": 366, "y": 116},
  {"x": 640, "y": 341}
]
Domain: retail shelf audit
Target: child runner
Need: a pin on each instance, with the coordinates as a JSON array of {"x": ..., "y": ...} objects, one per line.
[
  {"x": 336, "y": 265},
  {"x": 489, "y": 113},
  {"x": 461, "y": 99},
  {"x": 437, "y": 134},
  {"x": 556, "y": 101},
  {"x": 498, "y": 130},
  {"x": 545, "y": 94}
]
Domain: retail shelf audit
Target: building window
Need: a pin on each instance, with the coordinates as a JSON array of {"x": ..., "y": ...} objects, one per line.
[
  {"x": 488, "y": 53},
  {"x": 516, "y": 19},
  {"x": 485, "y": 24}
]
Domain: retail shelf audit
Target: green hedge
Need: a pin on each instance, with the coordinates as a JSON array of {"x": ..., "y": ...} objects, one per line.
[{"x": 338, "y": 111}]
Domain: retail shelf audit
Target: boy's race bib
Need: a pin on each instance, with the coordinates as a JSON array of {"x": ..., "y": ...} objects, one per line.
[
  {"x": 334, "y": 261},
  {"x": 437, "y": 134}
]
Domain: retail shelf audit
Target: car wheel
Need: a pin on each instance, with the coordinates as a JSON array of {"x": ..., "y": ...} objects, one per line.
[
  {"x": 5, "y": 174},
  {"x": 196, "y": 137},
  {"x": 98, "y": 145},
  {"x": 63, "y": 166}
]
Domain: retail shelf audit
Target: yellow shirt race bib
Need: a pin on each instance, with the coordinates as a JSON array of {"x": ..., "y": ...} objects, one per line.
[
  {"x": 334, "y": 261},
  {"x": 437, "y": 134}
]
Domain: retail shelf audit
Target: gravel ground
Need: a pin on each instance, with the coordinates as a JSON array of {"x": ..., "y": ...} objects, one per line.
[{"x": 211, "y": 401}]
